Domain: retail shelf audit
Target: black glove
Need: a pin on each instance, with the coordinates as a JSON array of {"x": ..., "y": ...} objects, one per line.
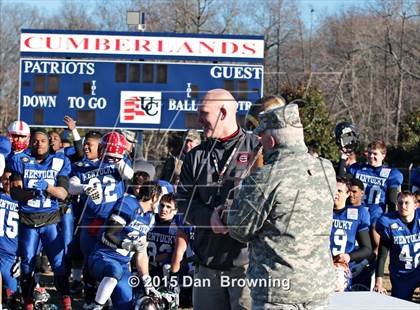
[{"x": 173, "y": 282}]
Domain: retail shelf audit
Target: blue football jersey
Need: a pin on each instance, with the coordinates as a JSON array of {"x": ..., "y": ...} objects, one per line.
[
  {"x": 138, "y": 224},
  {"x": 9, "y": 220},
  {"x": 161, "y": 240},
  {"x": 5, "y": 146},
  {"x": 415, "y": 179},
  {"x": 403, "y": 242},
  {"x": 185, "y": 227},
  {"x": 376, "y": 180},
  {"x": 104, "y": 176},
  {"x": 346, "y": 223},
  {"x": 375, "y": 212},
  {"x": 31, "y": 172},
  {"x": 12, "y": 154},
  {"x": 77, "y": 168},
  {"x": 68, "y": 151}
]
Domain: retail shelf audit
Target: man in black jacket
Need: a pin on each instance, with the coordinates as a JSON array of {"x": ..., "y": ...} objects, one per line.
[{"x": 210, "y": 177}]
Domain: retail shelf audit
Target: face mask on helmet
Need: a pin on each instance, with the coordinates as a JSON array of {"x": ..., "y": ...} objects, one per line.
[
  {"x": 112, "y": 147},
  {"x": 19, "y": 135},
  {"x": 149, "y": 303},
  {"x": 111, "y": 160},
  {"x": 167, "y": 301},
  {"x": 346, "y": 137}
]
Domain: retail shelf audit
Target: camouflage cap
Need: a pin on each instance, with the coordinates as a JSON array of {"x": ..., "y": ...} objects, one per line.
[
  {"x": 129, "y": 135},
  {"x": 279, "y": 117},
  {"x": 193, "y": 135}
]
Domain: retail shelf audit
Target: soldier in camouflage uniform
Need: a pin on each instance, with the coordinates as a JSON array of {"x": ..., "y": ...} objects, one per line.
[
  {"x": 172, "y": 166},
  {"x": 284, "y": 211}
]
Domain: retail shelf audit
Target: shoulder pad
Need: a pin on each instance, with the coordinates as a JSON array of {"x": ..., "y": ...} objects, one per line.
[{"x": 57, "y": 164}]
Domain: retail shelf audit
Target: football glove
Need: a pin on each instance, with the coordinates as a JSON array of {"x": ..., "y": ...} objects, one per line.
[
  {"x": 356, "y": 269},
  {"x": 41, "y": 185},
  {"x": 15, "y": 270},
  {"x": 148, "y": 286},
  {"x": 135, "y": 245},
  {"x": 94, "y": 192}
]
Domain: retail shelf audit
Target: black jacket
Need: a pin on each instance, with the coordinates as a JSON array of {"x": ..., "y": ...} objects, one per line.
[{"x": 200, "y": 175}]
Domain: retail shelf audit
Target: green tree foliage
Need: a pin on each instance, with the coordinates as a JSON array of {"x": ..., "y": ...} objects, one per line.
[
  {"x": 408, "y": 150},
  {"x": 318, "y": 128},
  {"x": 410, "y": 132}
]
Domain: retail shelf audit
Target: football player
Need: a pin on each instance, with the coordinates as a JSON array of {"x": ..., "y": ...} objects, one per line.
[
  {"x": 182, "y": 262},
  {"x": 90, "y": 159},
  {"x": 9, "y": 262},
  {"x": 400, "y": 236},
  {"x": 382, "y": 183},
  {"x": 349, "y": 224},
  {"x": 19, "y": 135},
  {"x": 125, "y": 235},
  {"x": 100, "y": 184},
  {"x": 75, "y": 152},
  {"x": 356, "y": 200},
  {"x": 38, "y": 180},
  {"x": 161, "y": 238}
]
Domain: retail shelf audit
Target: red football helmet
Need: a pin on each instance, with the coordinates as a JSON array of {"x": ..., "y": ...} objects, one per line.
[
  {"x": 19, "y": 128},
  {"x": 112, "y": 146}
]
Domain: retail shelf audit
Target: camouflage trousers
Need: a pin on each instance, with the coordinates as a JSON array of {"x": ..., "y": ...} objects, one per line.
[
  {"x": 210, "y": 291},
  {"x": 315, "y": 305}
]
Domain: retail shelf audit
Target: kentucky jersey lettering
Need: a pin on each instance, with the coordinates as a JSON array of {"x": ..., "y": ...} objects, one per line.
[
  {"x": 49, "y": 169},
  {"x": 404, "y": 242},
  {"x": 104, "y": 176},
  {"x": 376, "y": 180},
  {"x": 161, "y": 240},
  {"x": 345, "y": 226}
]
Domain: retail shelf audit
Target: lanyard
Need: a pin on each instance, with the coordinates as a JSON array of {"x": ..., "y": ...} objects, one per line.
[{"x": 222, "y": 172}]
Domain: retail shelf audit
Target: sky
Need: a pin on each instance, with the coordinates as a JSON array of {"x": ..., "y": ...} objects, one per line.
[
  {"x": 324, "y": 7},
  {"x": 319, "y": 7}
]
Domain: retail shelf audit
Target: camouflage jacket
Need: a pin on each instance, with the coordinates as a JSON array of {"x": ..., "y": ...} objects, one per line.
[{"x": 284, "y": 211}]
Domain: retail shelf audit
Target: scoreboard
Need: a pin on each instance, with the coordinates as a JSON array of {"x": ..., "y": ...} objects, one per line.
[{"x": 133, "y": 94}]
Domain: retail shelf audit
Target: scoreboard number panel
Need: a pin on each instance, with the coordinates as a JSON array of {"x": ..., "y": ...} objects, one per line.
[{"x": 128, "y": 94}]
